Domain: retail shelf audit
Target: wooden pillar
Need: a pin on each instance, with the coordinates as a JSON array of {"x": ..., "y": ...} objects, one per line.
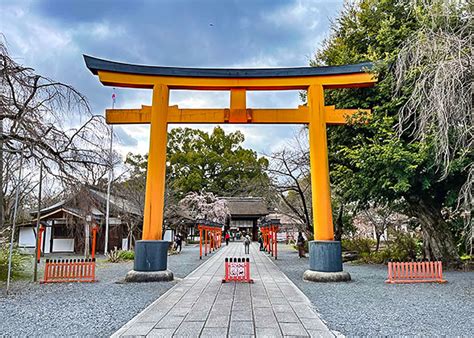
[
  {"x": 200, "y": 242},
  {"x": 205, "y": 241},
  {"x": 155, "y": 182},
  {"x": 320, "y": 189}
]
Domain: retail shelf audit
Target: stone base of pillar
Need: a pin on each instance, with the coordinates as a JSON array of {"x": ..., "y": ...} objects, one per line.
[
  {"x": 325, "y": 277},
  {"x": 151, "y": 262},
  {"x": 148, "y": 276},
  {"x": 325, "y": 262}
]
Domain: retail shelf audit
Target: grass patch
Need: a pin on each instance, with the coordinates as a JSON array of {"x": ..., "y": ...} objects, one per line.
[{"x": 19, "y": 264}]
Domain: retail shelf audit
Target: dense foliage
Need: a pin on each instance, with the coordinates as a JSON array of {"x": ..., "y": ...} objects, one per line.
[
  {"x": 213, "y": 162},
  {"x": 371, "y": 162}
]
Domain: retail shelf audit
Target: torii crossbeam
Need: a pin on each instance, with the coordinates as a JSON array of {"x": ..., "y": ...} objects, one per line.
[{"x": 238, "y": 81}]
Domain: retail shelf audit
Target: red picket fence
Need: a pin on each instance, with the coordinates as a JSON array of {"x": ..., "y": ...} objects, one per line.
[
  {"x": 69, "y": 270},
  {"x": 237, "y": 270},
  {"x": 415, "y": 272}
]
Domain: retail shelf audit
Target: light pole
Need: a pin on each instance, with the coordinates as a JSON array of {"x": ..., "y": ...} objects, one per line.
[{"x": 15, "y": 209}]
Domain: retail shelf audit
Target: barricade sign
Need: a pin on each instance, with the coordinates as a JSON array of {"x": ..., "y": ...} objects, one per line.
[
  {"x": 415, "y": 272},
  {"x": 69, "y": 270},
  {"x": 237, "y": 270}
]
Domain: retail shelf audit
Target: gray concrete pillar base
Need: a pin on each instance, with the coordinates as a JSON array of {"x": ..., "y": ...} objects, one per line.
[
  {"x": 325, "y": 262},
  {"x": 325, "y": 256},
  {"x": 151, "y": 255},
  {"x": 326, "y": 277},
  {"x": 149, "y": 276}
]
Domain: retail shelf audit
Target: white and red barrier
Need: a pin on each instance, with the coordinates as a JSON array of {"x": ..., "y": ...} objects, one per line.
[{"x": 237, "y": 270}]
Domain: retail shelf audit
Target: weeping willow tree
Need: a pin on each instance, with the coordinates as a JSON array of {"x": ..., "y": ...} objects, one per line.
[{"x": 434, "y": 70}]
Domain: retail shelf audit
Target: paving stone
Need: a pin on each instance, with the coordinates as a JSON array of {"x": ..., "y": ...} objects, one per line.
[
  {"x": 287, "y": 317},
  {"x": 169, "y": 322},
  {"x": 281, "y": 308},
  {"x": 189, "y": 329},
  {"x": 241, "y": 328},
  {"x": 151, "y": 316},
  {"x": 241, "y": 315},
  {"x": 218, "y": 320},
  {"x": 314, "y": 324},
  {"x": 319, "y": 333},
  {"x": 264, "y": 332},
  {"x": 279, "y": 300},
  {"x": 214, "y": 332},
  {"x": 161, "y": 333},
  {"x": 179, "y": 311},
  {"x": 293, "y": 329},
  {"x": 139, "y": 329}
]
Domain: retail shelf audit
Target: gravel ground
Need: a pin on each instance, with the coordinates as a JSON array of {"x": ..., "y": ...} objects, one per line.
[
  {"x": 369, "y": 307},
  {"x": 93, "y": 309}
]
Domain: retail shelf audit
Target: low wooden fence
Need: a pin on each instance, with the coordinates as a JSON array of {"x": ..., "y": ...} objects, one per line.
[
  {"x": 237, "y": 270},
  {"x": 415, "y": 272},
  {"x": 69, "y": 270}
]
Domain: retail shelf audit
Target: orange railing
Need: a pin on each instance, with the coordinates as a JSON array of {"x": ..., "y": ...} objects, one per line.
[
  {"x": 415, "y": 272},
  {"x": 69, "y": 270}
]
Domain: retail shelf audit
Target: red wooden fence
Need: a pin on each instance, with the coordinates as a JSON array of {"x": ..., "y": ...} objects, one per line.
[
  {"x": 69, "y": 270},
  {"x": 415, "y": 272},
  {"x": 237, "y": 270}
]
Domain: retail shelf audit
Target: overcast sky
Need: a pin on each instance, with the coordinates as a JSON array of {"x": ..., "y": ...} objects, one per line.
[{"x": 51, "y": 37}]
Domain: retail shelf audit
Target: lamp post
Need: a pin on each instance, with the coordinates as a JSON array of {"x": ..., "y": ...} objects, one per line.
[{"x": 15, "y": 210}]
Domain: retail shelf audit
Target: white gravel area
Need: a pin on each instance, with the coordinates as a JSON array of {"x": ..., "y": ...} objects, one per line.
[
  {"x": 369, "y": 307},
  {"x": 85, "y": 309}
]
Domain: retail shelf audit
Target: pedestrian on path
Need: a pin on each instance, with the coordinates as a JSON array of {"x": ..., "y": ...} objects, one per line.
[
  {"x": 179, "y": 242},
  {"x": 300, "y": 243},
  {"x": 247, "y": 244},
  {"x": 260, "y": 241},
  {"x": 227, "y": 237}
]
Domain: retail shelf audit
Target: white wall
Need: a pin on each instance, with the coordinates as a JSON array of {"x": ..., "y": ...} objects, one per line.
[
  {"x": 124, "y": 243},
  {"x": 26, "y": 237},
  {"x": 47, "y": 238},
  {"x": 63, "y": 244},
  {"x": 169, "y": 235}
]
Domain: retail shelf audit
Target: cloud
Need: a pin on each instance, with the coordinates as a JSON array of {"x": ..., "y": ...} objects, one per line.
[{"x": 52, "y": 35}]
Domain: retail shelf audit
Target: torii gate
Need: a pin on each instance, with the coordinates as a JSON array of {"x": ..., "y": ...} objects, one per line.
[{"x": 238, "y": 81}]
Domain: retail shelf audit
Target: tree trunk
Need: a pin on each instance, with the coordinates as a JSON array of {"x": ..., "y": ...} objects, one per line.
[
  {"x": 438, "y": 241},
  {"x": 377, "y": 238}
]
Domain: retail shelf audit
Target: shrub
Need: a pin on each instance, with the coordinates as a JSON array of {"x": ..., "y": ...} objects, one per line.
[
  {"x": 359, "y": 245},
  {"x": 19, "y": 262},
  {"x": 117, "y": 256},
  {"x": 113, "y": 256},
  {"x": 127, "y": 255}
]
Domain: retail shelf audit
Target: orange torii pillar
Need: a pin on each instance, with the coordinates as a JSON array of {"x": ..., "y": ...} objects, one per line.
[{"x": 151, "y": 252}]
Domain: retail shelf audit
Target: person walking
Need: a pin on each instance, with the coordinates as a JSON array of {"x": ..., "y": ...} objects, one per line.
[
  {"x": 260, "y": 241},
  {"x": 179, "y": 242},
  {"x": 227, "y": 237},
  {"x": 247, "y": 244},
  {"x": 300, "y": 243}
]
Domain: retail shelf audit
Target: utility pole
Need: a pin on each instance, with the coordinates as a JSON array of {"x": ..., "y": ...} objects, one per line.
[
  {"x": 37, "y": 245},
  {"x": 109, "y": 183},
  {"x": 15, "y": 209}
]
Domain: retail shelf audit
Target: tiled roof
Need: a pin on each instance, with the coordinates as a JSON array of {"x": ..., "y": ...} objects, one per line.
[{"x": 246, "y": 206}]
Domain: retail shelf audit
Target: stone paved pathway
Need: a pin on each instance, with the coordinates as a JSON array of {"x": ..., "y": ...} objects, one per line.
[{"x": 202, "y": 306}]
